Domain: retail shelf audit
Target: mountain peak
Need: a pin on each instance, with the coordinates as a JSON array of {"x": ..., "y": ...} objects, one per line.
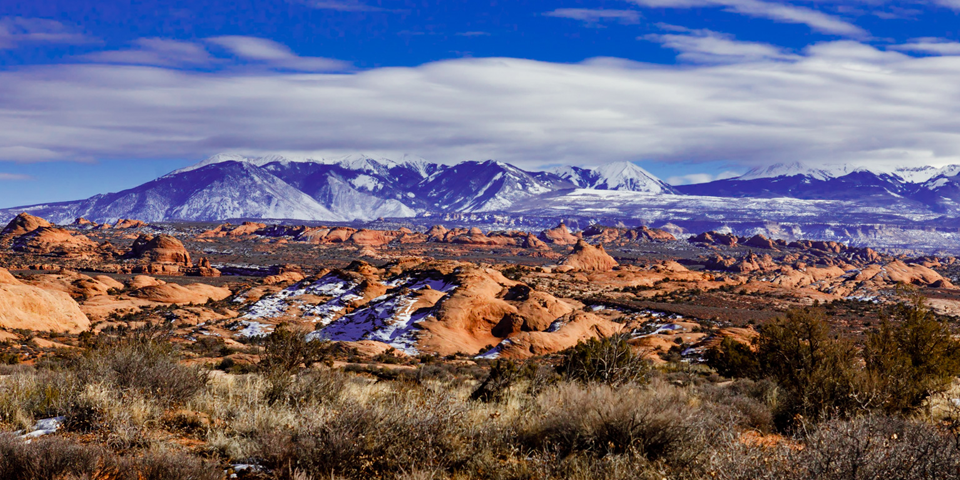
[{"x": 614, "y": 176}]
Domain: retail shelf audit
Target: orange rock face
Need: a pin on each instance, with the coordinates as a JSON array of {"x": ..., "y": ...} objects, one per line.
[
  {"x": 586, "y": 257},
  {"x": 54, "y": 241},
  {"x": 559, "y": 236},
  {"x": 34, "y": 308},
  {"x": 24, "y": 223},
  {"x": 124, "y": 223},
  {"x": 160, "y": 249}
]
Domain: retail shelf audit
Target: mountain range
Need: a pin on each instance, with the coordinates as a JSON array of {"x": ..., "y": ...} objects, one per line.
[{"x": 363, "y": 188}]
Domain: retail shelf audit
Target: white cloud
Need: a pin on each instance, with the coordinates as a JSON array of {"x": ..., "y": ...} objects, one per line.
[
  {"x": 705, "y": 46},
  {"x": 838, "y": 102},
  {"x": 592, "y": 15},
  {"x": 18, "y": 30},
  {"x": 276, "y": 55},
  {"x": 695, "y": 178},
  {"x": 779, "y": 12},
  {"x": 341, "y": 5},
  {"x": 12, "y": 177},
  {"x": 936, "y": 46},
  {"x": 953, "y": 4},
  {"x": 157, "y": 51}
]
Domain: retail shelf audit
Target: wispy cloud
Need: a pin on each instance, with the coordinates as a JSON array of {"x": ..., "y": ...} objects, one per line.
[
  {"x": 12, "y": 177},
  {"x": 705, "y": 46},
  {"x": 342, "y": 5},
  {"x": 936, "y": 46},
  {"x": 695, "y": 178},
  {"x": 276, "y": 55},
  {"x": 837, "y": 102},
  {"x": 595, "y": 16},
  {"x": 157, "y": 51},
  {"x": 778, "y": 12},
  {"x": 473, "y": 34},
  {"x": 953, "y": 4},
  {"x": 19, "y": 30}
]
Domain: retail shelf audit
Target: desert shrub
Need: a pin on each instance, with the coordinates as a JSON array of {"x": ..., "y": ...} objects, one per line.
[
  {"x": 911, "y": 360},
  {"x": 282, "y": 355},
  {"x": 818, "y": 372},
  {"x": 752, "y": 402},
  {"x": 608, "y": 360},
  {"x": 147, "y": 365},
  {"x": 733, "y": 359},
  {"x": 391, "y": 432},
  {"x": 659, "y": 422},
  {"x": 55, "y": 458},
  {"x": 503, "y": 374},
  {"x": 49, "y": 458},
  {"x": 29, "y": 395},
  {"x": 166, "y": 465},
  {"x": 877, "y": 447}
]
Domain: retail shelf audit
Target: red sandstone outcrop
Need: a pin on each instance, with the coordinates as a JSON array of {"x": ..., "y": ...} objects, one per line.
[
  {"x": 24, "y": 223},
  {"x": 126, "y": 223},
  {"x": 559, "y": 235},
  {"x": 34, "y": 308},
  {"x": 227, "y": 230},
  {"x": 586, "y": 257},
  {"x": 54, "y": 241},
  {"x": 160, "y": 249},
  {"x": 154, "y": 290}
]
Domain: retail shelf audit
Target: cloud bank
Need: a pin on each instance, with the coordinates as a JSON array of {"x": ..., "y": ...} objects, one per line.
[{"x": 833, "y": 103}]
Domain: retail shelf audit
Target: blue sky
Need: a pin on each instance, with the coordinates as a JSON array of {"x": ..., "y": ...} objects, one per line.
[{"x": 101, "y": 96}]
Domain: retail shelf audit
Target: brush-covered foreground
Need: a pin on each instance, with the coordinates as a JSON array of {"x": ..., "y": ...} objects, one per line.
[{"x": 128, "y": 408}]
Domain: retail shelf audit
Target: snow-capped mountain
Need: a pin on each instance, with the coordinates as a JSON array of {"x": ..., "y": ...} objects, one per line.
[
  {"x": 219, "y": 190},
  {"x": 486, "y": 186},
  {"x": 361, "y": 187},
  {"x": 615, "y": 176}
]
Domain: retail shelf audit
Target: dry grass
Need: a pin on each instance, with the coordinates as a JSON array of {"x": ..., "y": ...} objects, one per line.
[{"x": 325, "y": 424}]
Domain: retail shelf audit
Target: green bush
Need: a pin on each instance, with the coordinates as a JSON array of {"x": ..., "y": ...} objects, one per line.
[
  {"x": 733, "y": 359},
  {"x": 912, "y": 359}
]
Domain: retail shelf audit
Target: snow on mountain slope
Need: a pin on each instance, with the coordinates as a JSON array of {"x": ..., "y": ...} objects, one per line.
[
  {"x": 217, "y": 191},
  {"x": 925, "y": 173},
  {"x": 341, "y": 197},
  {"x": 486, "y": 186},
  {"x": 797, "y": 168},
  {"x": 368, "y": 191},
  {"x": 256, "y": 161},
  {"x": 615, "y": 176}
]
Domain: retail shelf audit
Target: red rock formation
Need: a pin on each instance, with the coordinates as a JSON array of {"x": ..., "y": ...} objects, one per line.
[
  {"x": 588, "y": 258},
  {"x": 38, "y": 309},
  {"x": 558, "y": 236},
  {"x": 531, "y": 241},
  {"x": 24, "y": 223},
  {"x": 650, "y": 234},
  {"x": 54, "y": 241},
  {"x": 760, "y": 241},
  {"x": 126, "y": 223},
  {"x": 160, "y": 249}
]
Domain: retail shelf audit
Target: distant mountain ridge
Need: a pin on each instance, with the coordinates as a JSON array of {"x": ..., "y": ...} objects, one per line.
[
  {"x": 361, "y": 187},
  {"x": 353, "y": 187}
]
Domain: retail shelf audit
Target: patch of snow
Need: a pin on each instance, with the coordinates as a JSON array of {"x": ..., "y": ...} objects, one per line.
[
  {"x": 254, "y": 329},
  {"x": 45, "y": 426}
]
